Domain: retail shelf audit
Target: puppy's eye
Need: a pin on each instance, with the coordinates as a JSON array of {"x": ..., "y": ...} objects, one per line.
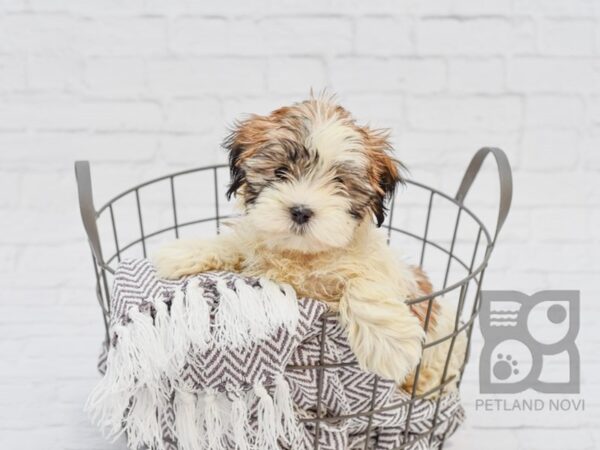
[
  {"x": 339, "y": 180},
  {"x": 281, "y": 172}
]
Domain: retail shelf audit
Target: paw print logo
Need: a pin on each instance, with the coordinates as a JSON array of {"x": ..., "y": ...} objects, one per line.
[
  {"x": 523, "y": 332},
  {"x": 505, "y": 367}
]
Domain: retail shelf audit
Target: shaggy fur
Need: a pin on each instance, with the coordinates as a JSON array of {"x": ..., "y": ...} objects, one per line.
[{"x": 314, "y": 156}]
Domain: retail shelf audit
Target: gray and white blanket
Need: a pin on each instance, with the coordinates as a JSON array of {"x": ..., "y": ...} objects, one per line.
[{"x": 221, "y": 361}]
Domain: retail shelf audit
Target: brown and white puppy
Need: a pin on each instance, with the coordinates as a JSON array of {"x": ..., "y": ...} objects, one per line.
[{"x": 312, "y": 185}]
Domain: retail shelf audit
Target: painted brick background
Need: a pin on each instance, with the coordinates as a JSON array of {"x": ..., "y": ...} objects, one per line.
[{"x": 142, "y": 88}]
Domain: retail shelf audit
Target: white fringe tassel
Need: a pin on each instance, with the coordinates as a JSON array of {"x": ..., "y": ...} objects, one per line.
[
  {"x": 110, "y": 398},
  {"x": 240, "y": 427},
  {"x": 281, "y": 304},
  {"x": 142, "y": 423},
  {"x": 147, "y": 359},
  {"x": 230, "y": 325},
  {"x": 178, "y": 330},
  {"x": 197, "y": 315},
  {"x": 248, "y": 314},
  {"x": 152, "y": 360},
  {"x": 256, "y": 321},
  {"x": 186, "y": 422},
  {"x": 213, "y": 423},
  {"x": 266, "y": 435},
  {"x": 284, "y": 410},
  {"x": 133, "y": 382}
]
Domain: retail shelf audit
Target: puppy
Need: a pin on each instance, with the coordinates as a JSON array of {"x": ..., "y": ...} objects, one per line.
[{"x": 312, "y": 185}]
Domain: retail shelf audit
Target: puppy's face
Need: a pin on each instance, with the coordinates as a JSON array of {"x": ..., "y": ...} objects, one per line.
[{"x": 307, "y": 175}]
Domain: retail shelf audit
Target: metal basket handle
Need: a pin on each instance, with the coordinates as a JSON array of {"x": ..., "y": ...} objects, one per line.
[
  {"x": 86, "y": 207},
  {"x": 506, "y": 184}
]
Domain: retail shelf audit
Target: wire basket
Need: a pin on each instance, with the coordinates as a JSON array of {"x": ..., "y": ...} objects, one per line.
[{"x": 448, "y": 241}]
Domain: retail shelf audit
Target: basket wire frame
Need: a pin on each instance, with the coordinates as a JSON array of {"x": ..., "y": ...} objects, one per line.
[{"x": 104, "y": 268}]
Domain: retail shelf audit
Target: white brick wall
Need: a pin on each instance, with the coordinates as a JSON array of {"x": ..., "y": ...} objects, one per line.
[{"x": 144, "y": 87}]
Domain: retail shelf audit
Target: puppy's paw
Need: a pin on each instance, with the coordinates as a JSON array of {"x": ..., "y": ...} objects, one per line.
[
  {"x": 185, "y": 257},
  {"x": 383, "y": 351},
  {"x": 384, "y": 335},
  {"x": 442, "y": 359}
]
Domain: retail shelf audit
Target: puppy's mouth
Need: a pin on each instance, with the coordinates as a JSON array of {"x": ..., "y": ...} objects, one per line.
[{"x": 299, "y": 230}]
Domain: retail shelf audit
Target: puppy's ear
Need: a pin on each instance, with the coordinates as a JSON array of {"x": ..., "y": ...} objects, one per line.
[
  {"x": 384, "y": 172},
  {"x": 241, "y": 143},
  {"x": 237, "y": 173}
]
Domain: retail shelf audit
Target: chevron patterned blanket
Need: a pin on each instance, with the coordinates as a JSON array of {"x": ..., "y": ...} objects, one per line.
[{"x": 220, "y": 361}]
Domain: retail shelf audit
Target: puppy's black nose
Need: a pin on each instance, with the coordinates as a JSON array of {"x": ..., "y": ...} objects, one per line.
[{"x": 301, "y": 214}]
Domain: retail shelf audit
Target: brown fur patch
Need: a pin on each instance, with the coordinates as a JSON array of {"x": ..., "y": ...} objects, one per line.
[
  {"x": 384, "y": 170},
  {"x": 425, "y": 288}
]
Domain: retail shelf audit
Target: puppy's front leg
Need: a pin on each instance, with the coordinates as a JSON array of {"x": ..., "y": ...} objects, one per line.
[
  {"x": 189, "y": 257},
  {"x": 383, "y": 333}
]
